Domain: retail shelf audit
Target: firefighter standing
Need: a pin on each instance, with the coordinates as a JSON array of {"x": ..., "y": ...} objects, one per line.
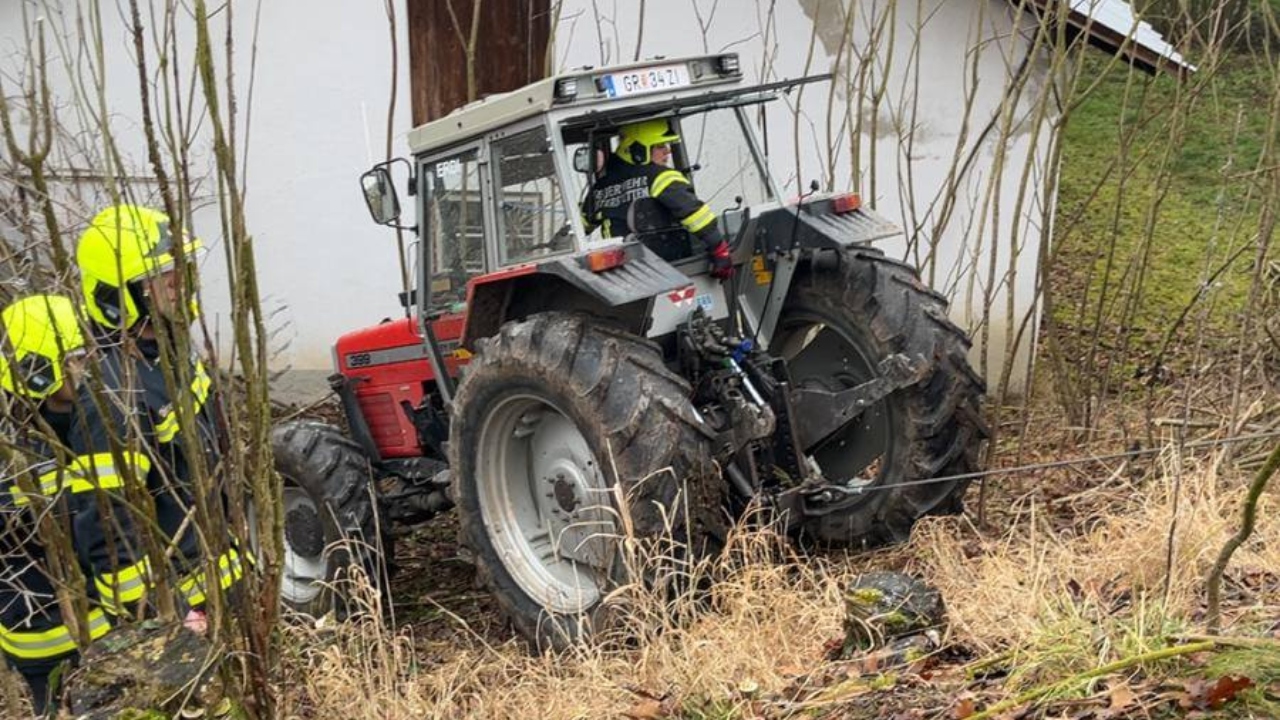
[
  {"x": 638, "y": 192},
  {"x": 134, "y": 279},
  {"x": 38, "y": 368}
]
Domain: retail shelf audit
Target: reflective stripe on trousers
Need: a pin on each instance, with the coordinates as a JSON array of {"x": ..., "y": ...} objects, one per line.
[
  {"x": 123, "y": 587},
  {"x": 230, "y": 569},
  {"x": 49, "y": 643}
]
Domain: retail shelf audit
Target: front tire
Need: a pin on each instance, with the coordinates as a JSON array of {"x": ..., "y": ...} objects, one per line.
[
  {"x": 557, "y": 419},
  {"x": 849, "y": 311},
  {"x": 330, "y": 517}
]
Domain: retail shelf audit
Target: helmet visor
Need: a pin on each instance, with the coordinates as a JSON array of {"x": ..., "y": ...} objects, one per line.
[{"x": 162, "y": 257}]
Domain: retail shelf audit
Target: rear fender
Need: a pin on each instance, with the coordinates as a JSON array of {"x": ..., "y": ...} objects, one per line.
[
  {"x": 621, "y": 295},
  {"x": 815, "y": 225},
  {"x": 782, "y": 240},
  {"x": 489, "y": 298}
]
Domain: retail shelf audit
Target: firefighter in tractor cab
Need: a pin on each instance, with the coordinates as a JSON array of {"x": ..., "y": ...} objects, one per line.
[
  {"x": 638, "y": 192},
  {"x": 135, "y": 271},
  {"x": 39, "y": 369}
]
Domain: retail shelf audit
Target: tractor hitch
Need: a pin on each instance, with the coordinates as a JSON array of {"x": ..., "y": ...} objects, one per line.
[
  {"x": 825, "y": 413},
  {"x": 815, "y": 497}
]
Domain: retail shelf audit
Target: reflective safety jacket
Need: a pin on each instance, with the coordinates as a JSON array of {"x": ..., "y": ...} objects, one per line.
[
  {"x": 649, "y": 199},
  {"x": 33, "y": 635},
  {"x": 133, "y": 440}
]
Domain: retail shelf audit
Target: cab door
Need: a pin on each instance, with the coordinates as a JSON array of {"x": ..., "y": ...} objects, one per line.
[{"x": 454, "y": 191}]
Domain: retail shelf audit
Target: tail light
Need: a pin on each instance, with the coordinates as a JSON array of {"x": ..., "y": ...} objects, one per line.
[
  {"x": 847, "y": 203},
  {"x": 600, "y": 260}
]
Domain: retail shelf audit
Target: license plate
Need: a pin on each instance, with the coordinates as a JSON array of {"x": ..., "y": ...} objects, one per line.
[{"x": 644, "y": 80}]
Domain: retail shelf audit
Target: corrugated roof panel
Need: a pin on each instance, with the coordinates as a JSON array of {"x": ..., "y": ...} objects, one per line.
[{"x": 1113, "y": 25}]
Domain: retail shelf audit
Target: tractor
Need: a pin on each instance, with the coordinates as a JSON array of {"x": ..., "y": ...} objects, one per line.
[{"x": 562, "y": 390}]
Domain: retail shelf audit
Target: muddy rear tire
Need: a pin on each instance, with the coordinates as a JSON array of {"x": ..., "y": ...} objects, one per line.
[
  {"x": 846, "y": 312},
  {"x": 330, "y": 518},
  {"x": 553, "y": 416}
]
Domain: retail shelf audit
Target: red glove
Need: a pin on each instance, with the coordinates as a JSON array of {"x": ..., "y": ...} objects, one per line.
[{"x": 721, "y": 263}]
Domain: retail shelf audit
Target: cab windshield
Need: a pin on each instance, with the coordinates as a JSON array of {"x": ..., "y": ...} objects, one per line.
[{"x": 722, "y": 167}]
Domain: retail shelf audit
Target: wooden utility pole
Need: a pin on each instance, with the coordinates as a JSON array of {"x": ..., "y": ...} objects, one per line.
[{"x": 461, "y": 50}]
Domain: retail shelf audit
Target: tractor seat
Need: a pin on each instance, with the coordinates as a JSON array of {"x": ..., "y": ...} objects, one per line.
[{"x": 659, "y": 231}]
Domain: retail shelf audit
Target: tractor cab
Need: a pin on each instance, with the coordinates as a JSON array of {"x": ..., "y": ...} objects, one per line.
[
  {"x": 497, "y": 187},
  {"x": 516, "y": 167}
]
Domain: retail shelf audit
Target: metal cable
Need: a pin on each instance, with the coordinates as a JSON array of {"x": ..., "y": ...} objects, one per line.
[{"x": 1067, "y": 463}]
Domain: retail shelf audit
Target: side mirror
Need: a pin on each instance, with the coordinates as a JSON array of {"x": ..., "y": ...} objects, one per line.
[
  {"x": 582, "y": 160},
  {"x": 380, "y": 196}
]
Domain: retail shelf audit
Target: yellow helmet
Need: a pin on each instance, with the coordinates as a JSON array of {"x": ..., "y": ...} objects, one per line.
[
  {"x": 123, "y": 245},
  {"x": 637, "y": 139},
  {"x": 39, "y": 332}
]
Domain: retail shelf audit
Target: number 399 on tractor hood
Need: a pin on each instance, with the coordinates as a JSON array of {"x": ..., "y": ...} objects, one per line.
[{"x": 630, "y": 274}]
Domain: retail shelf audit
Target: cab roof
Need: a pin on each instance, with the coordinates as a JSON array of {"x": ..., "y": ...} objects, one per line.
[{"x": 615, "y": 85}]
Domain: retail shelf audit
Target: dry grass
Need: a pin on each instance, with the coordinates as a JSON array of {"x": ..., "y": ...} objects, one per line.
[
  {"x": 768, "y": 616},
  {"x": 1059, "y": 601},
  {"x": 1050, "y": 599}
]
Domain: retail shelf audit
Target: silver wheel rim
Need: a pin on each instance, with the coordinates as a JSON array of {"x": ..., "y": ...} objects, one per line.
[
  {"x": 545, "y": 503},
  {"x": 303, "y": 575}
]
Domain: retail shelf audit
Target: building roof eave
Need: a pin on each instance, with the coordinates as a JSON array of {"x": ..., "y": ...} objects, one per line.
[{"x": 1114, "y": 27}]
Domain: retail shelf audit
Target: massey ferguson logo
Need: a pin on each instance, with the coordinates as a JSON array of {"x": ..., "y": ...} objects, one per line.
[{"x": 683, "y": 297}]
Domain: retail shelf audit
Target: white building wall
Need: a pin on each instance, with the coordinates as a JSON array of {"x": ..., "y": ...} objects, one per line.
[{"x": 320, "y": 119}]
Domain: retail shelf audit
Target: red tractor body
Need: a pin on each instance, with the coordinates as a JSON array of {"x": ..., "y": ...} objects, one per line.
[
  {"x": 389, "y": 374},
  {"x": 387, "y": 369}
]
